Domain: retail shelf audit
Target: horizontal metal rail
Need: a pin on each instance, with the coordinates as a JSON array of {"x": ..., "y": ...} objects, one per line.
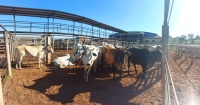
[
  {"x": 28, "y": 26},
  {"x": 193, "y": 46}
]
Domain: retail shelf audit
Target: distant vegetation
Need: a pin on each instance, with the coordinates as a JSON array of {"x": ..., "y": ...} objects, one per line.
[{"x": 185, "y": 39}]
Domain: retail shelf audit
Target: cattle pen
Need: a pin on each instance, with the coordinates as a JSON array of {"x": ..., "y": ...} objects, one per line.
[{"x": 161, "y": 87}]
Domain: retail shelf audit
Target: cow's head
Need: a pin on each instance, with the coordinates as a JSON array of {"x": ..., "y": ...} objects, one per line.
[
  {"x": 119, "y": 54},
  {"x": 79, "y": 53},
  {"x": 90, "y": 55},
  {"x": 49, "y": 49}
]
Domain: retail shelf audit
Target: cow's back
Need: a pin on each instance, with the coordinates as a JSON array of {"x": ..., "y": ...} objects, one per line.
[
  {"x": 23, "y": 50},
  {"x": 139, "y": 56},
  {"x": 108, "y": 55},
  {"x": 34, "y": 50}
]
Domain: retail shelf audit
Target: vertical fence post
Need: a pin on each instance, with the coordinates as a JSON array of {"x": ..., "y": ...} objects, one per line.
[
  {"x": 99, "y": 32},
  {"x": 67, "y": 44},
  {"x": 81, "y": 29},
  {"x": 1, "y": 93},
  {"x": 164, "y": 52},
  {"x": 105, "y": 33},
  {"x": 13, "y": 44},
  {"x": 44, "y": 27},
  {"x": 60, "y": 43},
  {"x": 165, "y": 35},
  {"x": 7, "y": 53},
  {"x": 48, "y": 42},
  {"x": 30, "y": 26},
  {"x": 53, "y": 34}
]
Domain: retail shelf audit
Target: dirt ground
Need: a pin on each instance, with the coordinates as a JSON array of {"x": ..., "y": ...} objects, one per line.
[{"x": 53, "y": 86}]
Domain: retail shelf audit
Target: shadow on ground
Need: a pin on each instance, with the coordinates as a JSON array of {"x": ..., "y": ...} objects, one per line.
[{"x": 102, "y": 88}]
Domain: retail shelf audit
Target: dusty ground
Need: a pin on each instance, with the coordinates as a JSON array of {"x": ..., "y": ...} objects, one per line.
[{"x": 52, "y": 86}]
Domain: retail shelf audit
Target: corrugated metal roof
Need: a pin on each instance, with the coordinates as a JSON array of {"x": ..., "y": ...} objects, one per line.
[{"x": 22, "y": 11}]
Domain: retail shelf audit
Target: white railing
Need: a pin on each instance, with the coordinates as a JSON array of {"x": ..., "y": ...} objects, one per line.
[
  {"x": 169, "y": 79},
  {"x": 192, "y": 48}
]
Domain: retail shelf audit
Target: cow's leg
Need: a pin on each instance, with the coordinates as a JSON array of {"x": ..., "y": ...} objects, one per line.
[
  {"x": 16, "y": 66},
  {"x": 80, "y": 64},
  {"x": 128, "y": 65},
  {"x": 88, "y": 72},
  {"x": 20, "y": 62},
  {"x": 102, "y": 62},
  {"x": 135, "y": 68},
  {"x": 39, "y": 62},
  {"x": 95, "y": 66},
  {"x": 114, "y": 71},
  {"x": 120, "y": 73},
  {"x": 144, "y": 68},
  {"x": 16, "y": 63},
  {"x": 85, "y": 71}
]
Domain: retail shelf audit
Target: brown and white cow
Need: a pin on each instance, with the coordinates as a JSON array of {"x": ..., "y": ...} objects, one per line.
[
  {"x": 35, "y": 51},
  {"x": 115, "y": 57}
]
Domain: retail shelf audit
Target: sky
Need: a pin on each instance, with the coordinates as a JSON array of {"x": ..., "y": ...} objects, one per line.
[{"x": 128, "y": 15}]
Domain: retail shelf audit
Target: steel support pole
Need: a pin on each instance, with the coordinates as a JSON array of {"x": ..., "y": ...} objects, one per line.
[
  {"x": 53, "y": 34},
  {"x": 105, "y": 33},
  {"x": 30, "y": 26},
  {"x": 73, "y": 30},
  {"x": 67, "y": 44},
  {"x": 92, "y": 32},
  {"x": 81, "y": 29},
  {"x": 8, "y": 53},
  {"x": 112, "y": 35},
  {"x": 13, "y": 44},
  {"x": 99, "y": 32},
  {"x": 165, "y": 35},
  {"x": 48, "y": 25},
  {"x": 48, "y": 42}
]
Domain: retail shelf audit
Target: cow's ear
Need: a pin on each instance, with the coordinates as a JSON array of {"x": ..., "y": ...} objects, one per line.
[{"x": 97, "y": 49}]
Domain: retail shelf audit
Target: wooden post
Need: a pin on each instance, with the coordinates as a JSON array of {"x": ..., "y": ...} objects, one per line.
[
  {"x": 48, "y": 42},
  {"x": 1, "y": 93},
  {"x": 67, "y": 44},
  {"x": 7, "y": 53}
]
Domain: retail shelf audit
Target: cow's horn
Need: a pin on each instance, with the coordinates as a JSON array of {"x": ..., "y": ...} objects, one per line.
[
  {"x": 127, "y": 46},
  {"x": 83, "y": 47},
  {"x": 115, "y": 46}
]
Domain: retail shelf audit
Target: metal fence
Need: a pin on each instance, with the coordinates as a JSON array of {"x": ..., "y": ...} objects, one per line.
[
  {"x": 5, "y": 60},
  {"x": 28, "y": 26},
  {"x": 167, "y": 84}
]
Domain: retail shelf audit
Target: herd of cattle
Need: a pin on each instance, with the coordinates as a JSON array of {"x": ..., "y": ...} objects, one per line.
[{"x": 90, "y": 55}]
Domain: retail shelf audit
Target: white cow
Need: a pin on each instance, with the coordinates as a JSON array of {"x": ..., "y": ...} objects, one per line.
[
  {"x": 64, "y": 61},
  {"x": 105, "y": 44},
  {"x": 35, "y": 51},
  {"x": 89, "y": 59}
]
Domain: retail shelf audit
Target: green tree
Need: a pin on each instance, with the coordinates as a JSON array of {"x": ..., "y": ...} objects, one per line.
[{"x": 190, "y": 36}]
